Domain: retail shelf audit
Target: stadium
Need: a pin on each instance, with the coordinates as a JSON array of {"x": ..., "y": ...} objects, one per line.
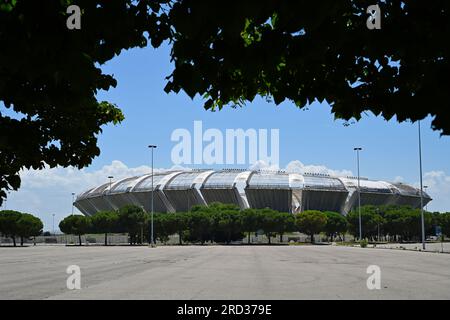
[{"x": 286, "y": 192}]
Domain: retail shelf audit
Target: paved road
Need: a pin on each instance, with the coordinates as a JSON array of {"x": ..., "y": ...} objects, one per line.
[{"x": 222, "y": 272}]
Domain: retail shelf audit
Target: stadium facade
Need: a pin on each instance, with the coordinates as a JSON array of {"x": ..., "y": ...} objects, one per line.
[{"x": 287, "y": 192}]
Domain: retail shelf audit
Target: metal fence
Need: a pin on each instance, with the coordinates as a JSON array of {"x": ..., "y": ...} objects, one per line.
[{"x": 122, "y": 239}]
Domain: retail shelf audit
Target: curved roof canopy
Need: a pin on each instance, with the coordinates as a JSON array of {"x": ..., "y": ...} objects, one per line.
[{"x": 291, "y": 192}]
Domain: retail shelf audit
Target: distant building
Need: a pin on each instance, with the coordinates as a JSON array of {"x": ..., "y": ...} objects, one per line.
[{"x": 287, "y": 192}]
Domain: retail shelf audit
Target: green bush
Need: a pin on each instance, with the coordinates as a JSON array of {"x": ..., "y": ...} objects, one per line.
[{"x": 363, "y": 243}]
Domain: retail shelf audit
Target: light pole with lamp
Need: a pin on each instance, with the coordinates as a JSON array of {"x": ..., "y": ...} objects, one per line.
[
  {"x": 73, "y": 200},
  {"x": 152, "y": 240},
  {"x": 53, "y": 223},
  {"x": 358, "y": 149},
  {"x": 421, "y": 190}
]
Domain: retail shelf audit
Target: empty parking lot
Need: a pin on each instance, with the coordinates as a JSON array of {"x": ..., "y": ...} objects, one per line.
[{"x": 222, "y": 272}]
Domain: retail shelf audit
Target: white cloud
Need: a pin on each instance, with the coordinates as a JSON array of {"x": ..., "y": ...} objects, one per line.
[
  {"x": 298, "y": 167},
  {"x": 48, "y": 191},
  {"x": 438, "y": 183},
  {"x": 262, "y": 165}
]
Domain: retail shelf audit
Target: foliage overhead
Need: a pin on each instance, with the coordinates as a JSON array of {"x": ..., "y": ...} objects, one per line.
[
  {"x": 50, "y": 76},
  {"x": 228, "y": 52}
]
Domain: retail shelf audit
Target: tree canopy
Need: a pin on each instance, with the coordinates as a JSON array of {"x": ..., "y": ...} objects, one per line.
[
  {"x": 311, "y": 222},
  {"x": 228, "y": 52},
  {"x": 9, "y": 223},
  {"x": 336, "y": 224},
  {"x": 133, "y": 220},
  {"x": 104, "y": 222},
  {"x": 15, "y": 223},
  {"x": 50, "y": 76},
  {"x": 76, "y": 225},
  {"x": 28, "y": 226}
]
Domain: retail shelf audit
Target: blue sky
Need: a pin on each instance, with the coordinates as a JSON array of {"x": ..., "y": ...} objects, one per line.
[
  {"x": 311, "y": 136},
  {"x": 390, "y": 150}
]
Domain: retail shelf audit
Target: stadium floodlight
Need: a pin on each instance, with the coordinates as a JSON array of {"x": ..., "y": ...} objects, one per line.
[
  {"x": 53, "y": 223},
  {"x": 421, "y": 190},
  {"x": 152, "y": 240},
  {"x": 110, "y": 182},
  {"x": 358, "y": 149}
]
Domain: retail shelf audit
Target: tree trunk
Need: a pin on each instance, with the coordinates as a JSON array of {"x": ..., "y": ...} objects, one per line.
[
  {"x": 180, "y": 241},
  {"x": 14, "y": 240},
  {"x": 79, "y": 239},
  {"x": 312, "y": 237},
  {"x": 248, "y": 238},
  {"x": 21, "y": 241},
  {"x": 106, "y": 238},
  {"x": 269, "y": 238}
]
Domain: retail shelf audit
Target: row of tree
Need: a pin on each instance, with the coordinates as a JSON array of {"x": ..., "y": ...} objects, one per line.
[
  {"x": 396, "y": 223},
  {"x": 17, "y": 224},
  {"x": 224, "y": 223},
  {"x": 221, "y": 223}
]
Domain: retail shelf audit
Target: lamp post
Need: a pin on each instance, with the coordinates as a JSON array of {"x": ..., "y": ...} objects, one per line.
[
  {"x": 358, "y": 149},
  {"x": 53, "y": 224},
  {"x": 73, "y": 200},
  {"x": 421, "y": 189},
  {"x": 377, "y": 210},
  {"x": 152, "y": 240}
]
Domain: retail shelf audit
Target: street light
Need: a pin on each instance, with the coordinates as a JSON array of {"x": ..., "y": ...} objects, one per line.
[
  {"x": 53, "y": 224},
  {"x": 358, "y": 149},
  {"x": 421, "y": 189},
  {"x": 73, "y": 200},
  {"x": 152, "y": 241}
]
